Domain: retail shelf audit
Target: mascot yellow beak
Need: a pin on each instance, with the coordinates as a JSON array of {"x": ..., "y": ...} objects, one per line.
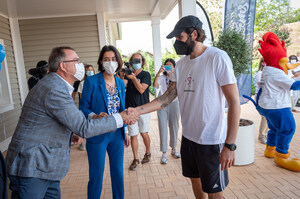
[{"x": 284, "y": 63}]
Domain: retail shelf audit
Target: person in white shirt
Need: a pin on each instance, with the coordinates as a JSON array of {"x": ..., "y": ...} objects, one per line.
[
  {"x": 263, "y": 126},
  {"x": 89, "y": 71},
  {"x": 298, "y": 56},
  {"x": 294, "y": 93},
  {"x": 203, "y": 79},
  {"x": 169, "y": 115}
]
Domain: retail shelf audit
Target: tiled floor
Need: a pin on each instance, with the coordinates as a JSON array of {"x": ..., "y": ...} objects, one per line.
[{"x": 262, "y": 179}]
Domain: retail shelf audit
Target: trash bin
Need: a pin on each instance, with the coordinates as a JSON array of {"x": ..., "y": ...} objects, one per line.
[{"x": 244, "y": 154}]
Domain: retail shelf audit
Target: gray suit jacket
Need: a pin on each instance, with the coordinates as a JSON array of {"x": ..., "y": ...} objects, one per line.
[{"x": 40, "y": 146}]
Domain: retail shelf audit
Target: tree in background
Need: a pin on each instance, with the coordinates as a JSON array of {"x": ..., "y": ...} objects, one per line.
[
  {"x": 271, "y": 15},
  {"x": 214, "y": 10}
]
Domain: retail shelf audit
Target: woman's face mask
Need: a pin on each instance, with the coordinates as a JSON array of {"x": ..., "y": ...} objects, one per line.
[
  {"x": 110, "y": 66},
  {"x": 293, "y": 61},
  {"x": 89, "y": 73}
]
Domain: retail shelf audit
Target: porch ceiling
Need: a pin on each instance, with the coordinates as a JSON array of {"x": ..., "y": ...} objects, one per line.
[{"x": 115, "y": 10}]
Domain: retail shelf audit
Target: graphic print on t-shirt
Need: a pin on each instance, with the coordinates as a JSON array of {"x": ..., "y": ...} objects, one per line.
[{"x": 189, "y": 84}]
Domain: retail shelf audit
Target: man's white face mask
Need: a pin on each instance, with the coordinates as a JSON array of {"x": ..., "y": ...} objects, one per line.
[{"x": 79, "y": 71}]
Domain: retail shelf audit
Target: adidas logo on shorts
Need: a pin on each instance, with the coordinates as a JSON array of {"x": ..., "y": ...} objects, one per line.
[{"x": 215, "y": 186}]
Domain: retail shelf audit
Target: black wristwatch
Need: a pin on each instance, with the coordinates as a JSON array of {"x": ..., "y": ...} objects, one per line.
[{"x": 231, "y": 147}]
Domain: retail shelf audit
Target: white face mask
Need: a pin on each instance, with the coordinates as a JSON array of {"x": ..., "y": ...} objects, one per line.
[
  {"x": 110, "y": 66},
  {"x": 293, "y": 61},
  {"x": 298, "y": 58},
  {"x": 79, "y": 71}
]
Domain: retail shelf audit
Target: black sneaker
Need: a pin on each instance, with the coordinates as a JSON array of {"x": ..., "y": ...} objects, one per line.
[
  {"x": 135, "y": 163},
  {"x": 146, "y": 158}
]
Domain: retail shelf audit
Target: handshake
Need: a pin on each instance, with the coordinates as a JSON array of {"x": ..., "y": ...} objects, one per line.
[{"x": 129, "y": 116}]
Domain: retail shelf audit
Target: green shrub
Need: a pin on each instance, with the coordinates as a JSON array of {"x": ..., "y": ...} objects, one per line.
[{"x": 238, "y": 49}]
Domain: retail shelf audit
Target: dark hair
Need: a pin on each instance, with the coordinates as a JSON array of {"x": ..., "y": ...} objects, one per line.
[
  {"x": 169, "y": 60},
  {"x": 57, "y": 55},
  {"x": 201, "y": 33},
  {"x": 41, "y": 63},
  {"x": 261, "y": 64},
  {"x": 292, "y": 57},
  {"x": 143, "y": 58},
  {"x": 117, "y": 54}
]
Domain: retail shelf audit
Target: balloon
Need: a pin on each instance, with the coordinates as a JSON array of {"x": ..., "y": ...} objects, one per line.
[{"x": 2, "y": 54}]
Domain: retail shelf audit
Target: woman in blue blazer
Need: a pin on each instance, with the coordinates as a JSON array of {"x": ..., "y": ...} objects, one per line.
[{"x": 104, "y": 94}]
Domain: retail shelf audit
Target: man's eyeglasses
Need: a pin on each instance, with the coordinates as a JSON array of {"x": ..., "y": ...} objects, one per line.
[{"x": 73, "y": 60}]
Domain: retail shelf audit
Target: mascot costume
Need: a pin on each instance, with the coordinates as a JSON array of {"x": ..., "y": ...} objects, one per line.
[{"x": 274, "y": 101}]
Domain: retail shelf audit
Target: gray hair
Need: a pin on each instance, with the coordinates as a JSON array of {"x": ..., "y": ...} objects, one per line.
[{"x": 57, "y": 55}]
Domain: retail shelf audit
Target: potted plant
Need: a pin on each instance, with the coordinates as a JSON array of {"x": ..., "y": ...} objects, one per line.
[{"x": 237, "y": 47}]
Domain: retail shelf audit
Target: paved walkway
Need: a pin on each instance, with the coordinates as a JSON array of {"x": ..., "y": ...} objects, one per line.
[{"x": 262, "y": 179}]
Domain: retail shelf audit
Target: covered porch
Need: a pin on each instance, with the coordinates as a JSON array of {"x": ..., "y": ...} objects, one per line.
[{"x": 30, "y": 29}]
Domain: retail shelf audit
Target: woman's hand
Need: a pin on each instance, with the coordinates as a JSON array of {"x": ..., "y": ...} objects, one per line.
[
  {"x": 101, "y": 115},
  {"x": 76, "y": 139},
  {"x": 127, "y": 140}
]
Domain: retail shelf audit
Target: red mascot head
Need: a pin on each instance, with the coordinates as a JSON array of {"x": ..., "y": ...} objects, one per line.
[{"x": 274, "y": 52}]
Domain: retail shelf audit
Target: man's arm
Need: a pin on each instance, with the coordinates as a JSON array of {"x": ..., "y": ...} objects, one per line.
[
  {"x": 233, "y": 118},
  {"x": 141, "y": 87},
  {"x": 160, "y": 102}
]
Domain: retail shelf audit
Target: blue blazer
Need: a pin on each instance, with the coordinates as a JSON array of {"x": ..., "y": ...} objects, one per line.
[{"x": 94, "y": 96}]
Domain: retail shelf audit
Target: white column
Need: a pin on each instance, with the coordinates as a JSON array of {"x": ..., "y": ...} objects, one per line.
[
  {"x": 186, "y": 7},
  {"x": 101, "y": 29},
  {"x": 110, "y": 33},
  {"x": 18, "y": 50},
  {"x": 156, "y": 43}
]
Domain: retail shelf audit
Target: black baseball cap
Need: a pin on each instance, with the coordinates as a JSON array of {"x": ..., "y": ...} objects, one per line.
[{"x": 189, "y": 21}]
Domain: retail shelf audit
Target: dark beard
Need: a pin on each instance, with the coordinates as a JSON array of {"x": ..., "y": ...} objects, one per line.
[{"x": 191, "y": 44}]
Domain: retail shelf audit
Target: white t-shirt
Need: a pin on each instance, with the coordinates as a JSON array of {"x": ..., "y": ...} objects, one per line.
[
  {"x": 257, "y": 79},
  {"x": 201, "y": 100},
  {"x": 80, "y": 87},
  {"x": 275, "y": 86}
]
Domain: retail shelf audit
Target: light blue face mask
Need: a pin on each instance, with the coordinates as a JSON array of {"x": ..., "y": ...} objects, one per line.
[
  {"x": 90, "y": 73},
  {"x": 136, "y": 66}
]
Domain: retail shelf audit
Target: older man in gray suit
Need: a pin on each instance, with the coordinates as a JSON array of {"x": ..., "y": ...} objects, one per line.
[{"x": 38, "y": 156}]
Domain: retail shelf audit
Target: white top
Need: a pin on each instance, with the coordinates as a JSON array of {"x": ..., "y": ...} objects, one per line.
[
  {"x": 201, "y": 100},
  {"x": 163, "y": 84},
  {"x": 80, "y": 87},
  {"x": 275, "y": 86},
  {"x": 257, "y": 79}
]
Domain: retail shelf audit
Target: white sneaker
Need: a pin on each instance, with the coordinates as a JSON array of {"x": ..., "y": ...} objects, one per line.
[
  {"x": 263, "y": 139},
  {"x": 175, "y": 154},
  {"x": 164, "y": 159}
]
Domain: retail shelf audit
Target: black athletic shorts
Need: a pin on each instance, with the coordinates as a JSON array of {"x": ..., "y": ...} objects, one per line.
[{"x": 202, "y": 161}]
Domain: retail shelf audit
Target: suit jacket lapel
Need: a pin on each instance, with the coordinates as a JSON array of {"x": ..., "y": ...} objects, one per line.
[{"x": 102, "y": 85}]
